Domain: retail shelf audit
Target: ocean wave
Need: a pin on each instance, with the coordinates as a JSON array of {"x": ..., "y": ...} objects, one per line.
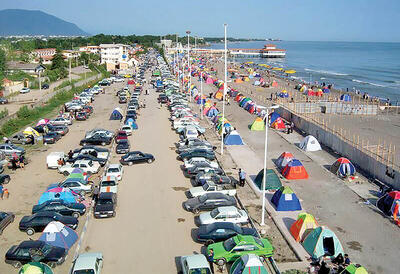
[
  {"x": 368, "y": 83},
  {"x": 327, "y": 72}
]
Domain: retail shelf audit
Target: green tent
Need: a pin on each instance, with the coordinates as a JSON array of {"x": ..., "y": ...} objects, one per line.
[
  {"x": 272, "y": 183},
  {"x": 248, "y": 264},
  {"x": 35, "y": 268},
  {"x": 322, "y": 242},
  {"x": 354, "y": 269},
  {"x": 76, "y": 176}
]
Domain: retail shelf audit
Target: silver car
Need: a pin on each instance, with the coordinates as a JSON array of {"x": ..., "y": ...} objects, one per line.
[
  {"x": 88, "y": 263},
  {"x": 10, "y": 149}
]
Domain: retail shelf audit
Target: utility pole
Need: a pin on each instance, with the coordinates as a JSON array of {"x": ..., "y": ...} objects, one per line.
[
  {"x": 189, "y": 68},
  {"x": 223, "y": 96},
  {"x": 40, "y": 82},
  {"x": 70, "y": 70}
]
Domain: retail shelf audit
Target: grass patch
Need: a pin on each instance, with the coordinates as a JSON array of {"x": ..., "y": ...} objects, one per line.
[{"x": 3, "y": 113}]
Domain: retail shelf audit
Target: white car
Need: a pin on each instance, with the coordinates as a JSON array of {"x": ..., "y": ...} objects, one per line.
[
  {"x": 181, "y": 121},
  {"x": 199, "y": 160},
  {"x": 88, "y": 263},
  {"x": 61, "y": 121},
  {"x": 115, "y": 170},
  {"x": 195, "y": 264},
  {"x": 119, "y": 80},
  {"x": 190, "y": 132},
  {"x": 100, "y": 131},
  {"x": 74, "y": 106},
  {"x": 127, "y": 129},
  {"x": 87, "y": 166},
  {"x": 109, "y": 184},
  {"x": 224, "y": 214},
  {"x": 24, "y": 90}
]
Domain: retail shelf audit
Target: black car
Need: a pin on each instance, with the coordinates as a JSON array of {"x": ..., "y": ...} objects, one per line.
[
  {"x": 105, "y": 205},
  {"x": 208, "y": 201},
  {"x": 3, "y": 100},
  {"x": 122, "y": 147},
  {"x": 209, "y": 155},
  {"x": 122, "y": 100},
  {"x": 51, "y": 137},
  {"x": 62, "y": 130},
  {"x": 96, "y": 140},
  {"x": 131, "y": 112},
  {"x": 45, "y": 86},
  {"x": 133, "y": 116},
  {"x": 101, "y": 161},
  {"x": 162, "y": 98},
  {"x": 6, "y": 218},
  {"x": 38, "y": 251},
  {"x": 38, "y": 221},
  {"x": 221, "y": 231},
  {"x": 202, "y": 167},
  {"x": 59, "y": 206},
  {"x": 4, "y": 179},
  {"x": 202, "y": 178},
  {"x": 136, "y": 157},
  {"x": 41, "y": 128},
  {"x": 104, "y": 83}
]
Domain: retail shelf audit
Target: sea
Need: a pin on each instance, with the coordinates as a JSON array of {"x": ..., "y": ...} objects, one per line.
[{"x": 368, "y": 67}]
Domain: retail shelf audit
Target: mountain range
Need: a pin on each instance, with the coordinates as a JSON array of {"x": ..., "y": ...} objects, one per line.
[{"x": 34, "y": 22}]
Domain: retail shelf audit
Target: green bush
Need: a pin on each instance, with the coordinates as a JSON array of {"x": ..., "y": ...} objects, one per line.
[{"x": 3, "y": 113}]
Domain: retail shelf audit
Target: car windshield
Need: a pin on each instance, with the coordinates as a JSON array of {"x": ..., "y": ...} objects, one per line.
[
  {"x": 104, "y": 202},
  {"x": 108, "y": 183},
  {"x": 3, "y": 215},
  {"x": 199, "y": 271},
  {"x": 203, "y": 198},
  {"x": 258, "y": 241},
  {"x": 113, "y": 170},
  {"x": 206, "y": 186},
  {"x": 122, "y": 134},
  {"x": 214, "y": 213},
  {"x": 84, "y": 271},
  {"x": 229, "y": 244}
]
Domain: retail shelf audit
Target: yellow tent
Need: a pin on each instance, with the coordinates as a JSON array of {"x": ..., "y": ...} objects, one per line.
[
  {"x": 219, "y": 95},
  {"x": 30, "y": 131},
  {"x": 305, "y": 223},
  {"x": 277, "y": 68},
  {"x": 247, "y": 79},
  {"x": 258, "y": 124}
]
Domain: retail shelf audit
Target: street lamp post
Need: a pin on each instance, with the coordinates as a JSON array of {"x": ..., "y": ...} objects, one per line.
[
  {"x": 201, "y": 95},
  {"x": 189, "y": 68},
  {"x": 223, "y": 96},
  {"x": 265, "y": 163}
]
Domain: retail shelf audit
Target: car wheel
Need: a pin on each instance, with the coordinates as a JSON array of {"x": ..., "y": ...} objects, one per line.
[
  {"x": 103, "y": 143},
  {"x": 209, "y": 242},
  {"x": 6, "y": 180},
  {"x": 196, "y": 210},
  {"x": 150, "y": 161},
  {"x": 130, "y": 163},
  {"x": 17, "y": 264},
  {"x": 30, "y": 231},
  {"x": 75, "y": 215},
  {"x": 66, "y": 173},
  {"x": 221, "y": 262}
]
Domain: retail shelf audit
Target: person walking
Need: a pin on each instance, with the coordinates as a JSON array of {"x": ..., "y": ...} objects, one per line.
[
  {"x": 242, "y": 177},
  {"x": 95, "y": 194},
  {"x": 210, "y": 259}
]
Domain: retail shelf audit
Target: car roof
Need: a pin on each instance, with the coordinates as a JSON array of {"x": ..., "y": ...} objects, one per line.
[
  {"x": 226, "y": 209},
  {"x": 31, "y": 244},
  {"x": 86, "y": 260},
  {"x": 196, "y": 261},
  {"x": 108, "y": 178}
]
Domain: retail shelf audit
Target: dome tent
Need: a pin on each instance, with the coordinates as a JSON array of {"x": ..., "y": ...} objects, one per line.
[
  {"x": 258, "y": 124},
  {"x": 35, "y": 268},
  {"x": 233, "y": 138},
  {"x": 294, "y": 170},
  {"x": 58, "y": 234},
  {"x": 286, "y": 200},
  {"x": 284, "y": 159},
  {"x": 354, "y": 269},
  {"x": 116, "y": 114},
  {"x": 310, "y": 143},
  {"x": 248, "y": 264},
  {"x": 343, "y": 167},
  {"x": 272, "y": 181},
  {"x": 278, "y": 124},
  {"x": 388, "y": 202},
  {"x": 322, "y": 242},
  {"x": 273, "y": 116},
  {"x": 304, "y": 224}
]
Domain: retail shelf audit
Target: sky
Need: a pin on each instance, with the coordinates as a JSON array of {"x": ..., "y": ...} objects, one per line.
[{"x": 296, "y": 20}]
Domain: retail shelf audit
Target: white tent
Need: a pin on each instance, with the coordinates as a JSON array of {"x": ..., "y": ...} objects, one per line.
[{"x": 310, "y": 143}]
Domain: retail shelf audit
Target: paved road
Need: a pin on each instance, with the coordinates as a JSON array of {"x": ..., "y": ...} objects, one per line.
[
  {"x": 369, "y": 238},
  {"x": 151, "y": 229}
]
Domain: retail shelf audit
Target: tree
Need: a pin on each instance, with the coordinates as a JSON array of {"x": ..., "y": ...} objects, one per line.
[
  {"x": 58, "y": 61},
  {"x": 84, "y": 58},
  {"x": 25, "y": 57},
  {"x": 2, "y": 67}
]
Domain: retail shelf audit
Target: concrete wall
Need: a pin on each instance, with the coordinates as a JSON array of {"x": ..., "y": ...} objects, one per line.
[
  {"x": 14, "y": 88},
  {"x": 334, "y": 107},
  {"x": 369, "y": 164}
]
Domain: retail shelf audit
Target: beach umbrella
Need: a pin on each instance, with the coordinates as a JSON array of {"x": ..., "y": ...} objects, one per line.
[
  {"x": 280, "y": 69},
  {"x": 290, "y": 71}
]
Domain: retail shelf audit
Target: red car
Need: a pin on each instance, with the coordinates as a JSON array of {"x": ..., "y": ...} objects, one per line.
[
  {"x": 121, "y": 135},
  {"x": 81, "y": 116}
]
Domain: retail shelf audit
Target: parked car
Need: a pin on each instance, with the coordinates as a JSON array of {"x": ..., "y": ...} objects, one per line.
[
  {"x": 87, "y": 166},
  {"x": 221, "y": 231},
  {"x": 115, "y": 170},
  {"x": 10, "y": 149},
  {"x": 208, "y": 201},
  {"x": 28, "y": 251},
  {"x": 210, "y": 187},
  {"x": 199, "y": 160},
  {"x": 122, "y": 100},
  {"x": 61, "y": 121},
  {"x": 127, "y": 129},
  {"x": 38, "y": 221},
  {"x": 51, "y": 137},
  {"x": 90, "y": 263},
  {"x": 95, "y": 151},
  {"x": 106, "y": 205},
  {"x": 25, "y": 90},
  {"x": 3, "y": 100},
  {"x": 233, "y": 248},
  {"x": 90, "y": 157},
  {"x": 4, "y": 179},
  {"x": 62, "y": 130},
  {"x": 6, "y": 218},
  {"x": 122, "y": 147},
  {"x": 96, "y": 140},
  {"x": 109, "y": 184},
  {"x": 195, "y": 264},
  {"x": 76, "y": 184},
  {"x": 41, "y": 128},
  {"x": 203, "y": 167},
  {"x": 81, "y": 116},
  {"x": 197, "y": 153},
  {"x": 224, "y": 214},
  {"x": 121, "y": 135},
  {"x": 45, "y": 86},
  {"x": 20, "y": 138},
  {"x": 204, "y": 177},
  {"x": 136, "y": 157},
  {"x": 59, "y": 206}
]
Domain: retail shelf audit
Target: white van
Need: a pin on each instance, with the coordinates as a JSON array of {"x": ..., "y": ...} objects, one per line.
[{"x": 53, "y": 158}]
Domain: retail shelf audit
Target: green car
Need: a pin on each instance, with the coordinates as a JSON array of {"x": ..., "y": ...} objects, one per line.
[{"x": 239, "y": 245}]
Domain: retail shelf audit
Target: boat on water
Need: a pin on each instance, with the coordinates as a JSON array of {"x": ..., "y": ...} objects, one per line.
[{"x": 269, "y": 51}]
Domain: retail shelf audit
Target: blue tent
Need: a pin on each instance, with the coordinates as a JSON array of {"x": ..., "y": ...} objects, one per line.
[
  {"x": 58, "y": 234},
  {"x": 345, "y": 98},
  {"x": 116, "y": 114},
  {"x": 66, "y": 196},
  {"x": 233, "y": 139},
  {"x": 285, "y": 199},
  {"x": 212, "y": 112},
  {"x": 134, "y": 125},
  {"x": 272, "y": 117},
  {"x": 322, "y": 242},
  {"x": 129, "y": 121}
]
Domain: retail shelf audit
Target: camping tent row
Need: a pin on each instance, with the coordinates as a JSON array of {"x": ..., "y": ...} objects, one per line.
[
  {"x": 246, "y": 103},
  {"x": 232, "y": 137},
  {"x": 310, "y": 92},
  {"x": 291, "y": 168}
]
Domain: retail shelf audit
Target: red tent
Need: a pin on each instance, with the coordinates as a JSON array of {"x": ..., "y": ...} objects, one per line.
[
  {"x": 278, "y": 124},
  {"x": 284, "y": 159},
  {"x": 131, "y": 82},
  {"x": 294, "y": 170}
]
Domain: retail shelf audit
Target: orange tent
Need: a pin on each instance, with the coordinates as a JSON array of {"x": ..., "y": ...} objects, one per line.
[
  {"x": 278, "y": 124},
  {"x": 218, "y": 95},
  {"x": 305, "y": 224},
  {"x": 274, "y": 84},
  {"x": 294, "y": 170},
  {"x": 238, "y": 80}
]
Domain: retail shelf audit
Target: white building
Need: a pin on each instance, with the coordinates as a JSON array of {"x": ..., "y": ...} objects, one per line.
[
  {"x": 113, "y": 53},
  {"x": 90, "y": 49}
]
